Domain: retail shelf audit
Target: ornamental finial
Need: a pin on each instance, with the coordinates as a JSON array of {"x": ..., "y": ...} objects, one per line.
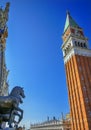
[{"x": 68, "y": 13}]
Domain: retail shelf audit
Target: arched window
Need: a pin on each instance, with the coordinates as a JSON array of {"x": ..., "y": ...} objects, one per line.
[
  {"x": 75, "y": 43},
  {"x": 81, "y": 44},
  {"x": 78, "y": 44},
  {"x": 85, "y": 45},
  {"x": 65, "y": 51}
]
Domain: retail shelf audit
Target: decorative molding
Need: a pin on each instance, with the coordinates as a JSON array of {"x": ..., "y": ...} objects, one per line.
[{"x": 77, "y": 51}]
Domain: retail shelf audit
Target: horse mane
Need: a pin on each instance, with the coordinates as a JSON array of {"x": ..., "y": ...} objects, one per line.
[{"x": 15, "y": 89}]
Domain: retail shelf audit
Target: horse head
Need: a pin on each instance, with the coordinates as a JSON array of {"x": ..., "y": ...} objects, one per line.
[
  {"x": 18, "y": 92},
  {"x": 22, "y": 93}
]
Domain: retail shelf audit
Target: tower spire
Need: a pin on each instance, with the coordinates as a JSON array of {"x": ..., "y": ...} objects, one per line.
[{"x": 70, "y": 22}]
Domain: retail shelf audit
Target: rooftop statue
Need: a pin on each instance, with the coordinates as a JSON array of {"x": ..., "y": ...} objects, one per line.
[
  {"x": 3, "y": 21},
  {"x": 4, "y": 16}
]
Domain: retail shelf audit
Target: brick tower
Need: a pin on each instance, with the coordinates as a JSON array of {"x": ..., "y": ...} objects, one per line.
[{"x": 77, "y": 60}]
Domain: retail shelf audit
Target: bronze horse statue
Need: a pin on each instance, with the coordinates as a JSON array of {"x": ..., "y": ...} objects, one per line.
[{"x": 9, "y": 106}]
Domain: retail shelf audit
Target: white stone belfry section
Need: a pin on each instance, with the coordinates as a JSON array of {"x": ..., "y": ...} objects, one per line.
[
  {"x": 3, "y": 36},
  {"x": 75, "y": 46}
]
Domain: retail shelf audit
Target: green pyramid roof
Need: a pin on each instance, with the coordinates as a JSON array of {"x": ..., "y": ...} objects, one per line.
[{"x": 70, "y": 22}]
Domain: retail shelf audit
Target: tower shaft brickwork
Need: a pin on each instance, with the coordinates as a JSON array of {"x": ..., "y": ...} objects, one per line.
[{"x": 77, "y": 60}]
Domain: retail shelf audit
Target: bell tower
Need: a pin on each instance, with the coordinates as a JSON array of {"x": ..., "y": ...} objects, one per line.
[
  {"x": 3, "y": 36},
  {"x": 77, "y": 60}
]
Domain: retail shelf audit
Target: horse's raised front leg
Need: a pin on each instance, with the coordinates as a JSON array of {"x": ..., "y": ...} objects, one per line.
[{"x": 21, "y": 116}]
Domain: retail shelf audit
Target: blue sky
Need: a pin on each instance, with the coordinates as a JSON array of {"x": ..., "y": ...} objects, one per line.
[{"x": 33, "y": 53}]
